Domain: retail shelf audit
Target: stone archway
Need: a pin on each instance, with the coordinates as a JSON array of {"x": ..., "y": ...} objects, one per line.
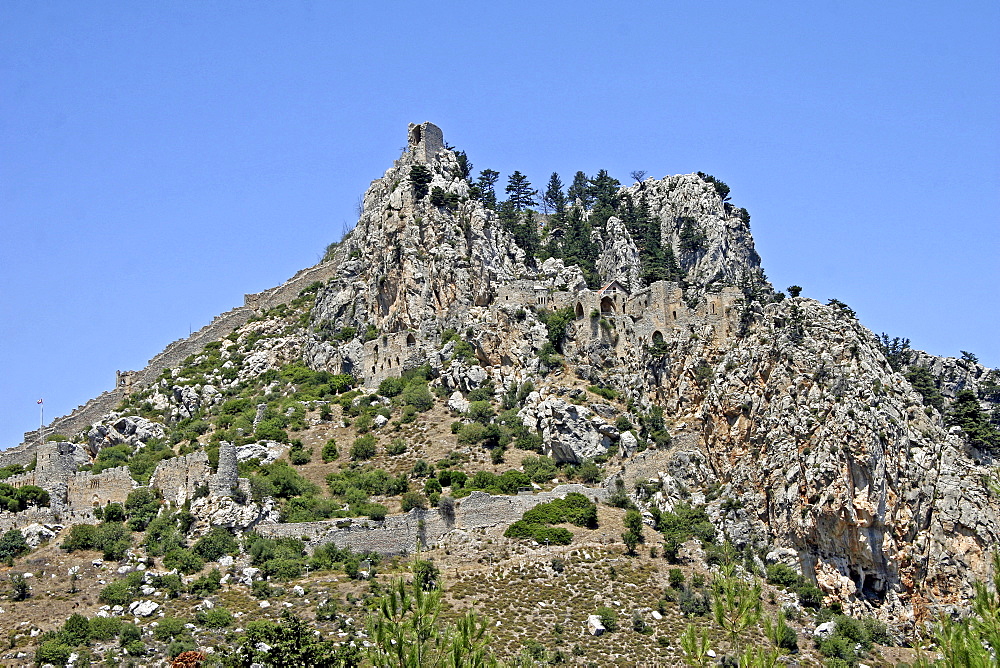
[
  {"x": 657, "y": 338},
  {"x": 579, "y": 310},
  {"x": 607, "y": 305}
]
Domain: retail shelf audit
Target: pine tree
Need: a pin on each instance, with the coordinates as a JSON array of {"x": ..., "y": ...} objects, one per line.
[
  {"x": 580, "y": 190},
  {"x": 554, "y": 199},
  {"x": 485, "y": 185},
  {"x": 604, "y": 190},
  {"x": 519, "y": 191},
  {"x": 969, "y": 415}
]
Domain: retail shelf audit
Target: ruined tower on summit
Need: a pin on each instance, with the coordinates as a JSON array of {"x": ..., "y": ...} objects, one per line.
[{"x": 425, "y": 141}]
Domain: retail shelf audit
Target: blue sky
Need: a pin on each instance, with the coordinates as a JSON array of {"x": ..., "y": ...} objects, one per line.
[{"x": 158, "y": 160}]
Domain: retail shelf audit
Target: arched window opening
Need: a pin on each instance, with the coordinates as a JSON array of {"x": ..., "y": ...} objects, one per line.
[{"x": 607, "y": 305}]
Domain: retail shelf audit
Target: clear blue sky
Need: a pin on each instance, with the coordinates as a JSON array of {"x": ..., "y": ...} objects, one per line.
[{"x": 158, "y": 160}]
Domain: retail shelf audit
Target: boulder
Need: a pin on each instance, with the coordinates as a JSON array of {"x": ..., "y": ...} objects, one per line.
[
  {"x": 36, "y": 534},
  {"x": 594, "y": 625},
  {"x": 570, "y": 433},
  {"x": 824, "y": 630},
  {"x": 143, "y": 608}
]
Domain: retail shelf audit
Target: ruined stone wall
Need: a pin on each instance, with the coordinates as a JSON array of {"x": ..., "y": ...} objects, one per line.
[
  {"x": 20, "y": 480},
  {"x": 64, "y": 517},
  {"x": 175, "y": 353},
  {"x": 400, "y": 534},
  {"x": 391, "y": 354},
  {"x": 225, "y": 480},
  {"x": 86, "y": 489},
  {"x": 178, "y": 477}
]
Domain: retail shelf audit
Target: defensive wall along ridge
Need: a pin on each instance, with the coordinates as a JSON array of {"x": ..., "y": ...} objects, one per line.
[
  {"x": 175, "y": 353},
  {"x": 402, "y": 534}
]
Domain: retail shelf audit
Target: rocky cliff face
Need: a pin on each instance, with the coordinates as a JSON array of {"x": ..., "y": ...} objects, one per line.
[
  {"x": 784, "y": 416},
  {"x": 816, "y": 443}
]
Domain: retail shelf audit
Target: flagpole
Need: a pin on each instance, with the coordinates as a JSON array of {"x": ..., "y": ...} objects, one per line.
[{"x": 41, "y": 419}]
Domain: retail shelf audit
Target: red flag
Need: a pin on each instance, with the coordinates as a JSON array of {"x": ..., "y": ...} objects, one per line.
[{"x": 39, "y": 401}]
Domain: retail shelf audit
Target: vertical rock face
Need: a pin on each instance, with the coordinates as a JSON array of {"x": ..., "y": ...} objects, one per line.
[
  {"x": 710, "y": 237},
  {"x": 619, "y": 261}
]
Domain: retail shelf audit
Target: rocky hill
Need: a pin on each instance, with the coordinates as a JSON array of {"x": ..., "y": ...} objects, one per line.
[{"x": 632, "y": 339}]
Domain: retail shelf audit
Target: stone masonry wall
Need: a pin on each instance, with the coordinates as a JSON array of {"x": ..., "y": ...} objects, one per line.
[
  {"x": 85, "y": 489},
  {"x": 85, "y": 415},
  {"x": 400, "y": 534},
  {"x": 178, "y": 477}
]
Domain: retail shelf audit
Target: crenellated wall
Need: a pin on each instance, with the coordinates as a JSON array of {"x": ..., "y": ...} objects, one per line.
[{"x": 85, "y": 489}]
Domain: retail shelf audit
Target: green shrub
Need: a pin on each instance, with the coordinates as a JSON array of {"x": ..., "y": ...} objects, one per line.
[
  {"x": 810, "y": 595},
  {"x": 694, "y": 604},
  {"x": 481, "y": 411},
  {"x": 391, "y": 387},
  {"x": 609, "y": 618},
  {"x": 124, "y": 591},
  {"x": 330, "y": 451},
  {"x": 472, "y": 433},
  {"x": 552, "y": 535},
  {"x": 539, "y": 469},
  {"x": 207, "y": 584},
  {"x": 216, "y": 543},
  {"x": 782, "y": 575},
  {"x": 76, "y": 630},
  {"x": 104, "y": 628},
  {"x": 363, "y": 447},
  {"x": 13, "y": 544},
  {"x": 169, "y": 628},
  {"x": 300, "y": 455},
  {"x": 181, "y": 645},
  {"x": 418, "y": 395},
  {"x": 397, "y": 447},
  {"x": 19, "y": 587},
  {"x": 184, "y": 560},
  {"x": 283, "y": 569},
  {"x": 215, "y": 618},
  {"x": 54, "y": 651},
  {"x": 413, "y": 500}
]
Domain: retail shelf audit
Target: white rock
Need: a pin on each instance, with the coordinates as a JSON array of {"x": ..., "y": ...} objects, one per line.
[
  {"x": 824, "y": 630},
  {"x": 265, "y": 604},
  {"x": 594, "y": 625},
  {"x": 143, "y": 608},
  {"x": 298, "y": 591},
  {"x": 380, "y": 421},
  {"x": 226, "y": 561},
  {"x": 458, "y": 403}
]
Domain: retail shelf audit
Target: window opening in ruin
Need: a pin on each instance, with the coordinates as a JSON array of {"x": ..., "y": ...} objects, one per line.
[
  {"x": 657, "y": 337},
  {"x": 675, "y": 315},
  {"x": 410, "y": 341},
  {"x": 712, "y": 308},
  {"x": 579, "y": 310},
  {"x": 607, "y": 305}
]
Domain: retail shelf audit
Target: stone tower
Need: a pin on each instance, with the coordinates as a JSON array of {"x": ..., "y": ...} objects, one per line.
[
  {"x": 227, "y": 478},
  {"x": 425, "y": 141}
]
